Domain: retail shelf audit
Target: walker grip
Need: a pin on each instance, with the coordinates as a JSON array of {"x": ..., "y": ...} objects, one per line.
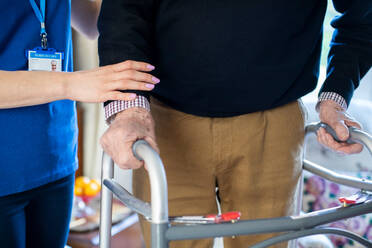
[{"x": 314, "y": 127}]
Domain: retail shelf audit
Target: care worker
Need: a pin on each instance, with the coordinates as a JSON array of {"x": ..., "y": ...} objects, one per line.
[{"x": 38, "y": 129}]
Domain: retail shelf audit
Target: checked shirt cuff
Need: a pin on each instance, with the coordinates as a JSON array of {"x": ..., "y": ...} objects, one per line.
[
  {"x": 331, "y": 96},
  {"x": 117, "y": 106}
]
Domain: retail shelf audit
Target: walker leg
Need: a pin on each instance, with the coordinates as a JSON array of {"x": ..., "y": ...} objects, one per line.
[
  {"x": 158, "y": 238},
  {"x": 106, "y": 203}
]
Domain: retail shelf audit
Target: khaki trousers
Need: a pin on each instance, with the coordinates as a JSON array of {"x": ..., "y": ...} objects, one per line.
[{"x": 254, "y": 159}]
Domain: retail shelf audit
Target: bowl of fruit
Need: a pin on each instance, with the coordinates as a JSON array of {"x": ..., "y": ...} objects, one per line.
[
  {"x": 86, "y": 188},
  {"x": 85, "y": 211}
]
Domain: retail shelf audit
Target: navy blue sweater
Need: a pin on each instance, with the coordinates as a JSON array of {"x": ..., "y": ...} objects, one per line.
[{"x": 222, "y": 58}]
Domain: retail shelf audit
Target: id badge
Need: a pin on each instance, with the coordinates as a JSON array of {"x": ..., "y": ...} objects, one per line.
[{"x": 44, "y": 60}]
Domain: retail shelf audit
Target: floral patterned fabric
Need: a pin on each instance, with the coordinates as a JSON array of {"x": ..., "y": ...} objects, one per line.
[{"x": 320, "y": 194}]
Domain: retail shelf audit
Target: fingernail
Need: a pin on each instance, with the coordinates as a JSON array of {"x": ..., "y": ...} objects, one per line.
[
  {"x": 150, "y": 86},
  {"x": 151, "y": 67},
  {"x": 132, "y": 96},
  {"x": 156, "y": 80}
]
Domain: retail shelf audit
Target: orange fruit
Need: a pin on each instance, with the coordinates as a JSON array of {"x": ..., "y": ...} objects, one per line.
[
  {"x": 96, "y": 182},
  {"x": 78, "y": 191},
  {"x": 92, "y": 189},
  {"x": 82, "y": 181}
]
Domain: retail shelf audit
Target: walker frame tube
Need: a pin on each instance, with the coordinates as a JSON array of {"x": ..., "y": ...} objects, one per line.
[
  {"x": 106, "y": 204},
  {"x": 269, "y": 225},
  {"x": 353, "y": 182},
  {"x": 159, "y": 192},
  {"x": 298, "y": 226}
]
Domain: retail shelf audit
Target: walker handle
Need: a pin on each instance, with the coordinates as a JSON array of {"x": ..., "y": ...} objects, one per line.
[
  {"x": 158, "y": 211},
  {"x": 355, "y": 134},
  {"x": 158, "y": 182},
  {"x": 314, "y": 127}
]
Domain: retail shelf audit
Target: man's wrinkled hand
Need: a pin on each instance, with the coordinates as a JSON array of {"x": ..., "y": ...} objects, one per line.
[
  {"x": 332, "y": 114},
  {"x": 127, "y": 127}
]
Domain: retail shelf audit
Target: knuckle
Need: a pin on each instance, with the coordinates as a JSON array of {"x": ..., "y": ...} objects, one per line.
[
  {"x": 129, "y": 63},
  {"x": 122, "y": 163},
  {"x": 135, "y": 164},
  {"x": 341, "y": 132},
  {"x": 107, "y": 67}
]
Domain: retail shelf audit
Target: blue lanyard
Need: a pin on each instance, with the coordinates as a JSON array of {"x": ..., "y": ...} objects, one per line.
[{"x": 40, "y": 14}]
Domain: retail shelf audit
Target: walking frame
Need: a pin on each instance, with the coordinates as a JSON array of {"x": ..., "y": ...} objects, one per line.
[{"x": 290, "y": 227}]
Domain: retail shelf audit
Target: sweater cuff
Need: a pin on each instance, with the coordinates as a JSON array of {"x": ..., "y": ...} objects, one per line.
[
  {"x": 118, "y": 106},
  {"x": 324, "y": 96}
]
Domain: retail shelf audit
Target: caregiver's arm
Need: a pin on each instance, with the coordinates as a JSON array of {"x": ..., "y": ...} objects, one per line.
[
  {"x": 84, "y": 15},
  {"x": 25, "y": 88}
]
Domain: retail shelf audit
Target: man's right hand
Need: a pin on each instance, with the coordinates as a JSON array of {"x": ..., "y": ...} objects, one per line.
[{"x": 128, "y": 126}]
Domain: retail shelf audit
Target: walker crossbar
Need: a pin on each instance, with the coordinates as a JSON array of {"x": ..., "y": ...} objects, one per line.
[
  {"x": 353, "y": 182},
  {"x": 296, "y": 226},
  {"x": 270, "y": 225},
  {"x": 259, "y": 226}
]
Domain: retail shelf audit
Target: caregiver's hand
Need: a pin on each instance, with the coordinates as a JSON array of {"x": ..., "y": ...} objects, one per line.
[{"x": 104, "y": 83}]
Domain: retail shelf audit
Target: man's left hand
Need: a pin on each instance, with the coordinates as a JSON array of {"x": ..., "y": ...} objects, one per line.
[{"x": 332, "y": 114}]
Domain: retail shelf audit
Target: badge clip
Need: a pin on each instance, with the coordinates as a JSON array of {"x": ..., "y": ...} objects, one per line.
[{"x": 44, "y": 41}]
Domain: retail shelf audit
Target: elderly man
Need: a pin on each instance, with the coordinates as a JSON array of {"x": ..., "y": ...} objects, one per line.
[{"x": 226, "y": 112}]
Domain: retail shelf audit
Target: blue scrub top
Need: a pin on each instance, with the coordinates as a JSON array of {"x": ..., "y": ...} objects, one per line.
[{"x": 37, "y": 144}]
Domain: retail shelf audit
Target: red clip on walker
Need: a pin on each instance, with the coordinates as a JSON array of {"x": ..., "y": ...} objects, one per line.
[
  {"x": 225, "y": 217},
  {"x": 357, "y": 198},
  {"x": 208, "y": 219}
]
